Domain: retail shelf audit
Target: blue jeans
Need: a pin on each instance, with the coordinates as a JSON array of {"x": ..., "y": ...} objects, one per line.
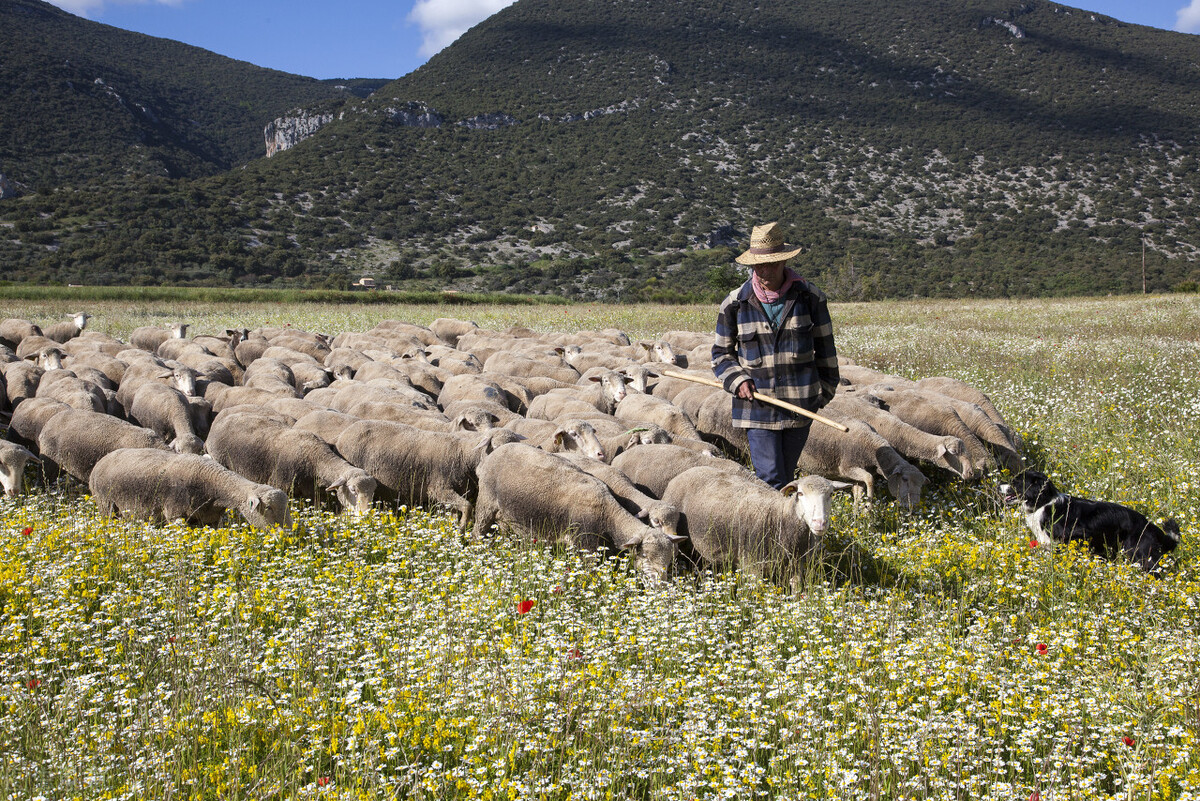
[{"x": 775, "y": 454}]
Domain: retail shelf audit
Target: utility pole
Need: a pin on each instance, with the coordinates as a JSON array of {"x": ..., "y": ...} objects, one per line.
[{"x": 1143, "y": 264}]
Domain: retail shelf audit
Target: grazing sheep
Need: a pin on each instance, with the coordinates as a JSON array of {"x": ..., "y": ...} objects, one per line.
[
  {"x": 860, "y": 455},
  {"x": 544, "y": 495},
  {"x": 471, "y": 387},
  {"x": 64, "y": 386},
  {"x": 61, "y": 332},
  {"x": 656, "y": 513},
  {"x": 560, "y": 436},
  {"x": 732, "y": 522},
  {"x": 296, "y": 461},
  {"x": 181, "y": 377},
  {"x": 75, "y": 439},
  {"x": 501, "y": 414},
  {"x": 149, "y": 337},
  {"x": 419, "y": 467},
  {"x": 937, "y": 414},
  {"x": 651, "y": 467},
  {"x": 21, "y": 381},
  {"x": 167, "y": 412},
  {"x": 30, "y": 418},
  {"x": 163, "y": 486},
  {"x": 454, "y": 362},
  {"x": 948, "y": 453},
  {"x": 522, "y": 366},
  {"x": 326, "y": 424},
  {"x": 13, "y": 459},
  {"x": 31, "y": 346},
  {"x": 605, "y": 392},
  {"x": 640, "y": 408},
  {"x": 449, "y": 329},
  {"x": 15, "y": 329}
]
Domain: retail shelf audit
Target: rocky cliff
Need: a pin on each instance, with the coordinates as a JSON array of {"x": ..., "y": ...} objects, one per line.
[{"x": 293, "y": 129}]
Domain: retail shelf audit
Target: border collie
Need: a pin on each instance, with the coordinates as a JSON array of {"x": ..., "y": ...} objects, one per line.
[{"x": 1107, "y": 528}]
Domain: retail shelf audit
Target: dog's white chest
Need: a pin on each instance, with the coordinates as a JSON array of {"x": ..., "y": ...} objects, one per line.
[{"x": 1036, "y": 521}]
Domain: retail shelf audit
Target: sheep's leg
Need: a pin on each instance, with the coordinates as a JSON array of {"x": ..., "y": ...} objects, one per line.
[{"x": 485, "y": 515}]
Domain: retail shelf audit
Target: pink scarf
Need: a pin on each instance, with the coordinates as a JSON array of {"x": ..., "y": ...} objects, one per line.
[{"x": 765, "y": 295}]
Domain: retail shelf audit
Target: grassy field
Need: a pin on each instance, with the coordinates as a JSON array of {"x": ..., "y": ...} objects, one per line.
[{"x": 937, "y": 655}]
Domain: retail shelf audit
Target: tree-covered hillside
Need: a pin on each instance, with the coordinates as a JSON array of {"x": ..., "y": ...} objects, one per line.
[
  {"x": 624, "y": 148},
  {"x": 82, "y": 101}
]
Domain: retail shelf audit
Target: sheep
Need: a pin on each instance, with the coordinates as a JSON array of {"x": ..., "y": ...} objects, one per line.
[
  {"x": 163, "y": 486},
  {"x": 542, "y": 494},
  {"x": 658, "y": 514},
  {"x": 271, "y": 375},
  {"x": 61, "y": 332},
  {"x": 325, "y": 423},
  {"x": 13, "y": 459},
  {"x": 651, "y": 467},
  {"x": 964, "y": 392},
  {"x": 560, "y": 436},
  {"x": 453, "y": 361},
  {"x": 63, "y": 385},
  {"x": 112, "y": 367},
  {"x": 522, "y": 366},
  {"x": 176, "y": 375},
  {"x": 858, "y": 456},
  {"x": 418, "y": 466},
  {"x": 166, "y": 411},
  {"x": 449, "y": 329},
  {"x": 149, "y": 337},
  {"x": 21, "y": 381},
  {"x": 292, "y": 460},
  {"x": 640, "y": 408},
  {"x": 606, "y": 392},
  {"x": 30, "y": 418},
  {"x": 33, "y": 345},
  {"x": 421, "y": 333},
  {"x": 15, "y": 329},
  {"x": 937, "y": 414},
  {"x": 732, "y": 522},
  {"x": 500, "y": 413},
  {"x": 471, "y": 387},
  {"x": 948, "y": 453},
  {"x": 75, "y": 439}
]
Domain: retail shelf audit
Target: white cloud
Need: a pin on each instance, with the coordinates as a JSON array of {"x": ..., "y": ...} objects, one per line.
[
  {"x": 443, "y": 21},
  {"x": 87, "y": 8},
  {"x": 1187, "y": 19}
]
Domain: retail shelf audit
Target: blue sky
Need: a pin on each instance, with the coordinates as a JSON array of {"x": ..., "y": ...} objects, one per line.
[{"x": 390, "y": 38}]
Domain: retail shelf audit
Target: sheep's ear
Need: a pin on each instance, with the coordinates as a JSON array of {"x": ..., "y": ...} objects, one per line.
[
  {"x": 841, "y": 486},
  {"x": 790, "y": 489},
  {"x": 560, "y": 350},
  {"x": 596, "y": 378},
  {"x": 463, "y": 424},
  {"x": 643, "y": 514},
  {"x": 644, "y": 345},
  {"x": 635, "y": 438},
  {"x": 559, "y": 436},
  {"x": 629, "y": 542},
  {"x": 255, "y": 502},
  {"x": 341, "y": 482}
]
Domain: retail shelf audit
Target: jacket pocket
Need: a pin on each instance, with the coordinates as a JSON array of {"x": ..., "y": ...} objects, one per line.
[
  {"x": 750, "y": 351},
  {"x": 796, "y": 345}
]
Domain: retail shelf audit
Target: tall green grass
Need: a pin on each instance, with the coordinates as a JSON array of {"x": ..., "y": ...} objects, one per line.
[{"x": 933, "y": 655}]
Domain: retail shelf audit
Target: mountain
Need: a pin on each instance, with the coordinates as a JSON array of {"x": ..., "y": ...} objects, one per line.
[
  {"x": 84, "y": 101},
  {"x": 623, "y": 149}
]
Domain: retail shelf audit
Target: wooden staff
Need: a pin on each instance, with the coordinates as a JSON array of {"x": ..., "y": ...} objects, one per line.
[{"x": 759, "y": 396}]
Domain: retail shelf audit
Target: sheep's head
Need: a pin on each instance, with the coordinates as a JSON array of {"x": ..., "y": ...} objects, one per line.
[
  {"x": 655, "y": 550},
  {"x": 188, "y": 443},
  {"x": 355, "y": 491},
  {"x": 904, "y": 484},
  {"x": 579, "y": 436},
  {"x": 13, "y": 459},
  {"x": 267, "y": 507},
  {"x": 813, "y": 497}
]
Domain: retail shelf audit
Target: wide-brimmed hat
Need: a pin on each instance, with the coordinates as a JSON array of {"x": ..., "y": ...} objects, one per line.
[{"x": 767, "y": 245}]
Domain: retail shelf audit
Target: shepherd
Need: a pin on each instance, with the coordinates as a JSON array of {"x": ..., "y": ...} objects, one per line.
[{"x": 775, "y": 337}]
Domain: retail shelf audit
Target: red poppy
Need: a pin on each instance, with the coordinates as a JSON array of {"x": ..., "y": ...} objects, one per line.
[
  {"x": 1042, "y": 648},
  {"x": 324, "y": 780},
  {"x": 33, "y": 684},
  {"x": 1035, "y": 796},
  {"x": 574, "y": 654},
  {"x": 171, "y": 639},
  {"x": 1129, "y": 741},
  {"x": 523, "y": 607},
  {"x": 27, "y": 530},
  {"x": 1033, "y": 543},
  {"x": 557, "y": 589}
]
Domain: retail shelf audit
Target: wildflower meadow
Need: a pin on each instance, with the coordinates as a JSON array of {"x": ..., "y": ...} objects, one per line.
[{"x": 941, "y": 654}]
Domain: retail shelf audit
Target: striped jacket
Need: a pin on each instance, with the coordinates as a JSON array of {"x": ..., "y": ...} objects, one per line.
[{"x": 797, "y": 363}]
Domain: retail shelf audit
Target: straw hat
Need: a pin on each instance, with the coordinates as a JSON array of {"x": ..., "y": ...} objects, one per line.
[{"x": 766, "y": 245}]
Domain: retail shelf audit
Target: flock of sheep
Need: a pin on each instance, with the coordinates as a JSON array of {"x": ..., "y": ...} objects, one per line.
[{"x": 572, "y": 436}]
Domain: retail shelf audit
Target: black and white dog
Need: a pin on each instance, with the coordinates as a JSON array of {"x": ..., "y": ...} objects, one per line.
[{"x": 1107, "y": 528}]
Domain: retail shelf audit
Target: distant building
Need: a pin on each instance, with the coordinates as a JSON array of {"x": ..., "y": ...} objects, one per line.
[{"x": 366, "y": 282}]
